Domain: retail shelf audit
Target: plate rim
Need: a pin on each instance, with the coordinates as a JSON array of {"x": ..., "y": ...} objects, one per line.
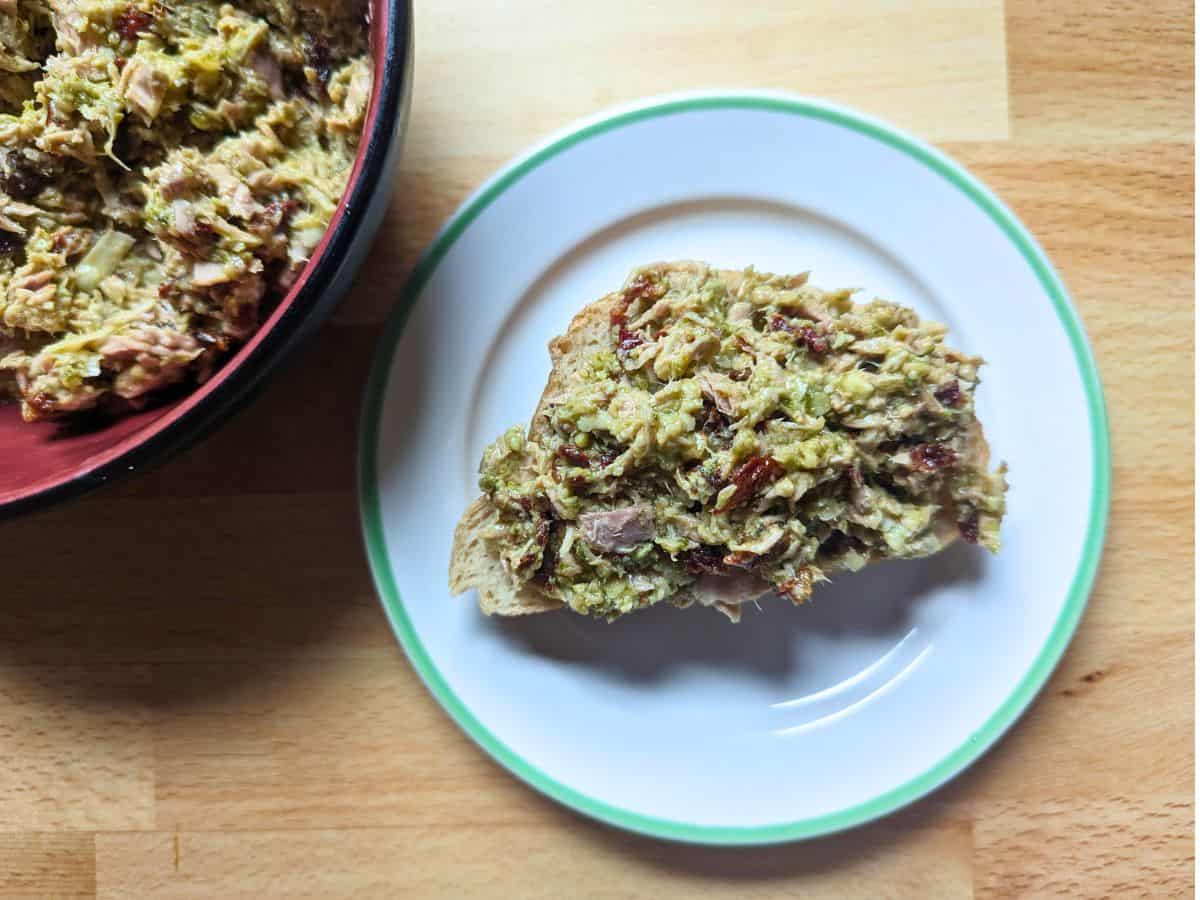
[{"x": 1026, "y": 689}]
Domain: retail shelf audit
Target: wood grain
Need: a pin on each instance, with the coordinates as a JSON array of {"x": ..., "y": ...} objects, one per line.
[
  {"x": 486, "y": 67},
  {"x": 71, "y": 763},
  {"x": 202, "y": 699},
  {"x": 515, "y": 860},
  {"x": 38, "y": 864},
  {"x": 1110, "y": 71}
]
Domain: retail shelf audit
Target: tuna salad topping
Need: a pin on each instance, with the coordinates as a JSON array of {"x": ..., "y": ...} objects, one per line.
[
  {"x": 740, "y": 435},
  {"x": 166, "y": 171}
]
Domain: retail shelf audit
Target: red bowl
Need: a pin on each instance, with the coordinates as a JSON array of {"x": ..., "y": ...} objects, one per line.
[{"x": 44, "y": 462}]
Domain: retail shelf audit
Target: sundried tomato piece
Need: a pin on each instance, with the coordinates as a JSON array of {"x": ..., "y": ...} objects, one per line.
[
  {"x": 969, "y": 527},
  {"x": 704, "y": 560},
  {"x": 949, "y": 394},
  {"x": 320, "y": 60},
  {"x": 931, "y": 457},
  {"x": 549, "y": 540},
  {"x": 815, "y": 342},
  {"x": 133, "y": 22},
  {"x": 628, "y": 340},
  {"x": 751, "y": 477},
  {"x": 22, "y": 181},
  {"x": 712, "y": 419},
  {"x": 574, "y": 456}
]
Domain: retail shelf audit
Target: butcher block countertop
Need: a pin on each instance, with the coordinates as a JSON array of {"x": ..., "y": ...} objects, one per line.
[{"x": 199, "y": 694}]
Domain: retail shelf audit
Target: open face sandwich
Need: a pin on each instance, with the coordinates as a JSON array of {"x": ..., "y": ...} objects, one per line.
[{"x": 710, "y": 436}]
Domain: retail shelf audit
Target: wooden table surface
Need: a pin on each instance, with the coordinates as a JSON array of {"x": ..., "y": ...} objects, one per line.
[{"x": 199, "y": 695}]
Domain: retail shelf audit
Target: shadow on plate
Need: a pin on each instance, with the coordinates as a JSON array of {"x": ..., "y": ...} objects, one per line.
[{"x": 878, "y": 601}]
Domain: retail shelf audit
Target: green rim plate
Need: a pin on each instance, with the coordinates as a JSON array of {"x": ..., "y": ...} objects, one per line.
[{"x": 996, "y": 724}]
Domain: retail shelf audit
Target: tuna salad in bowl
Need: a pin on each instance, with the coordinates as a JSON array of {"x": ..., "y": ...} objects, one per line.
[{"x": 185, "y": 190}]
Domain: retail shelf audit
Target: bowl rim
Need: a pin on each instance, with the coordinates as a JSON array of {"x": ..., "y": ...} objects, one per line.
[{"x": 232, "y": 385}]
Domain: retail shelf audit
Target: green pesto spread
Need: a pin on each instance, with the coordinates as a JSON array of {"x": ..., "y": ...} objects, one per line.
[{"x": 744, "y": 425}]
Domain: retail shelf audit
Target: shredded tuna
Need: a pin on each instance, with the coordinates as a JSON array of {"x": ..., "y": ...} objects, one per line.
[
  {"x": 144, "y": 87},
  {"x": 184, "y": 214},
  {"x": 241, "y": 202},
  {"x": 206, "y": 274},
  {"x": 715, "y": 390},
  {"x": 618, "y": 530},
  {"x": 267, "y": 69},
  {"x": 731, "y": 589}
]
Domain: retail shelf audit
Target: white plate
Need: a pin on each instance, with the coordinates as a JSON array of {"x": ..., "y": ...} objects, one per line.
[{"x": 798, "y": 722}]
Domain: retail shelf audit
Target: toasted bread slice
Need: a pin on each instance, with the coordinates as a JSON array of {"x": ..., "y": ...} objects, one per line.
[{"x": 474, "y": 564}]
